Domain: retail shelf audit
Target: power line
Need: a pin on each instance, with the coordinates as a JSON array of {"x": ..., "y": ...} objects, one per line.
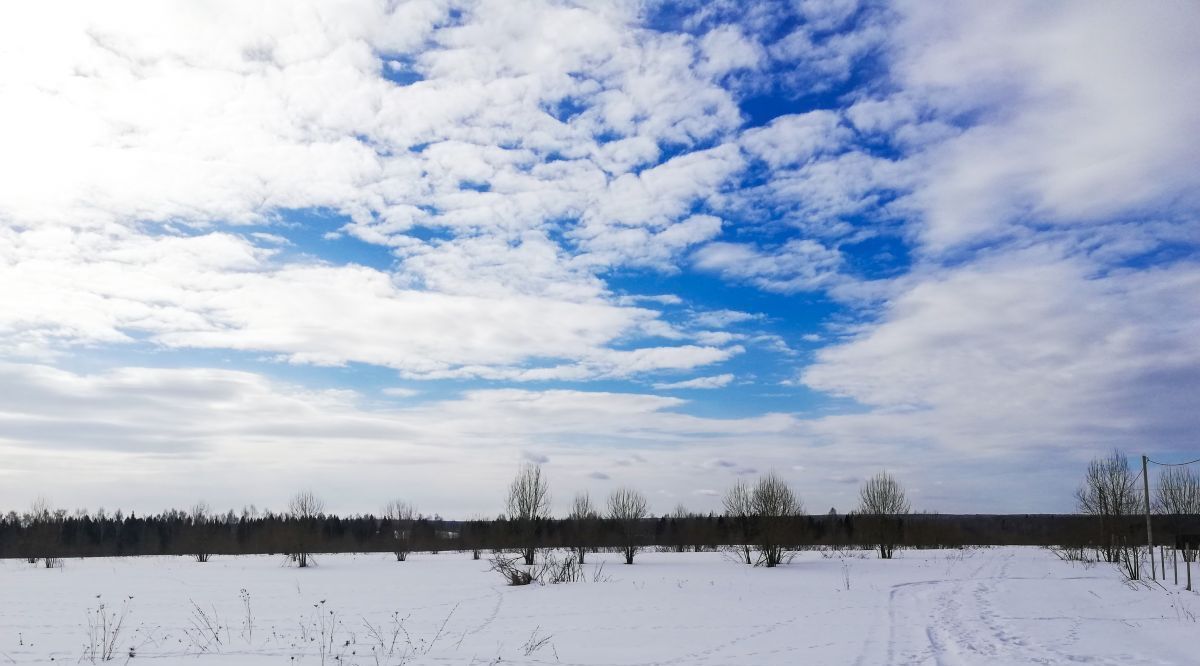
[
  {"x": 1146, "y": 489},
  {"x": 1190, "y": 462}
]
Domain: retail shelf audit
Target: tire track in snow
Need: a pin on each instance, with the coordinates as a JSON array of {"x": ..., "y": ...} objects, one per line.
[
  {"x": 954, "y": 621},
  {"x": 487, "y": 621},
  {"x": 702, "y": 656},
  {"x": 885, "y": 629},
  {"x": 946, "y": 622}
]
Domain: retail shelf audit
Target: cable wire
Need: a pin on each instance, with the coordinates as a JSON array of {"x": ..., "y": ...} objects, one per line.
[{"x": 1190, "y": 462}]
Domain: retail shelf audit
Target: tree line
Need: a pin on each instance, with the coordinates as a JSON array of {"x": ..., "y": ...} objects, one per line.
[{"x": 761, "y": 521}]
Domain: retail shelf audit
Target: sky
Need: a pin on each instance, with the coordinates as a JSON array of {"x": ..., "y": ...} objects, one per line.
[{"x": 395, "y": 250}]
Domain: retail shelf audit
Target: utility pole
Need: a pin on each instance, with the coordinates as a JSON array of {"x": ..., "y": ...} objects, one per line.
[{"x": 1149, "y": 532}]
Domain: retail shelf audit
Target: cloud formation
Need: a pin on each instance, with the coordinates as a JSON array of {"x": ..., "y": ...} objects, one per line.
[
  {"x": 980, "y": 221},
  {"x": 713, "y": 382},
  {"x": 213, "y": 432}
]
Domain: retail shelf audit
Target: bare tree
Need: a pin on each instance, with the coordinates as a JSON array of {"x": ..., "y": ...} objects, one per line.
[
  {"x": 528, "y": 502},
  {"x": 738, "y": 513},
  {"x": 584, "y": 516},
  {"x": 400, "y": 517},
  {"x": 304, "y": 509},
  {"x": 30, "y": 530},
  {"x": 202, "y": 519},
  {"x": 1109, "y": 493},
  {"x": 775, "y": 508},
  {"x": 1178, "y": 494},
  {"x": 882, "y": 497},
  {"x": 42, "y": 533},
  {"x": 679, "y": 516},
  {"x": 627, "y": 507},
  {"x": 39, "y": 509}
]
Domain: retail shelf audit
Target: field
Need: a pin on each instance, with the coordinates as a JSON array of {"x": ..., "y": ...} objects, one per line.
[{"x": 974, "y": 606}]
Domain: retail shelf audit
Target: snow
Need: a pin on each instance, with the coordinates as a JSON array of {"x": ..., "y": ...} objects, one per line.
[{"x": 976, "y": 606}]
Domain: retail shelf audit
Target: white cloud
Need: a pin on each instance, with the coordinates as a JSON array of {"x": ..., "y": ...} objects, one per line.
[
  {"x": 722, "y": 318},
  {"x": 827, "y": 14},
  {"x": 217, "y": 291},
  {"x": 1029, "y": 352},
  {"x": 660, "y": 299},
  {"x": 637, "y": 246},
  {"x": 1023, "y": 332},
  {"x": 820, "y": 195},
  {"x": 495, "y": 266},
  {"x": 795, "y": 139},
  {"x": 645, "y": 218},
  {"x": 799, "y": 265},
  {"x": 713, "y": 382},
  {"x": 539, "y": 169},
  {"x": 598, "y": 363},
  {"x": 509, "y": 181},
  {"x": 272, "y": 239},
  {"x": 1079, "y": 114},
  {"x": 165, "y": 113},
  {"x": 212, "y": 433},
  {"x": 814, "y": 56},
  {"x": 726, "y": 49}
]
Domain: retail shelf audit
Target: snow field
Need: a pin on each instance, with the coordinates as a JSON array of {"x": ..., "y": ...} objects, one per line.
[{"x": 976, "y": 606}]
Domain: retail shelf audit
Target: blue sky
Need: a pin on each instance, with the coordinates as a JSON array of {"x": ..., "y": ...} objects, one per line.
[{"x": 394, "y": 250}]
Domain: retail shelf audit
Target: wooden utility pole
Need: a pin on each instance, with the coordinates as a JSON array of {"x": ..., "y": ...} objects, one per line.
[{"x": 1149, "y": 532}]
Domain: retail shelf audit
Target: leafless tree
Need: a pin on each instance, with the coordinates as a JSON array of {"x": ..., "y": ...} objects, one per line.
[
  {"x": 40, "y": 509},
  {"x": 528, "y": 502},
  {"x": 582, "y": 507},
  {"x": 882, "y": 497},
  {"x": 31, "y": 527},
  {"x": 510, "y": 571},
  {"x": 738, "y": 513},
  {"x": 1178, "y": 494},
  {"x": 306, "y": 504},
  {"x": 584, "y": 514},
  {"x": 883, "y": 494},
  {"x": 627, "y": 507},
  {"x": 400, "y": 517},
  {"x": 1108, "y": 492},
  {"x": 304, "y": 509},
  {"x": 680, "y": 516},
  {"x": 551, "y": 570},
  {"x": 42, "y": 526},
  {"x": 775, "y": 508},
  {"x": 201, "y": 531}
]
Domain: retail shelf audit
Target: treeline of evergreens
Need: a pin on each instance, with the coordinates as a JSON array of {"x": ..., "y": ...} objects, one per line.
[{"x": 61, "y": 535}]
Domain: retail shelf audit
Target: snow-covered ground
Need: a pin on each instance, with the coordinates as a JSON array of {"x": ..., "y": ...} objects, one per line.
[{"x": 979, "y": 606}]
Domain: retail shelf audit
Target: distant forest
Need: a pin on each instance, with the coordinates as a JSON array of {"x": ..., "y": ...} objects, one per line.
[{"x": 62, "y": 535}]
